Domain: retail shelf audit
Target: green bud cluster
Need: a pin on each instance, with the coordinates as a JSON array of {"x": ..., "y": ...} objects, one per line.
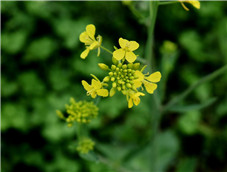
[
  {"x": 122, "y": 76},
  {"x": 85, "y": 145},
  {"x": 82, "y": 112}
]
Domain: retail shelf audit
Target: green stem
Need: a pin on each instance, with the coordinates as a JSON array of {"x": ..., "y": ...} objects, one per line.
[
  {"x": 194, "y": 86},
  {"x": 106, "y": 49},
  {"x": 149, "y": 44},
  {"x": 154, "y": 102},
  {"x": 167, "y": 3}
]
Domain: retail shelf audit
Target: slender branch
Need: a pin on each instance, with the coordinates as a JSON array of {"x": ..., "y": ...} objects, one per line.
[
  {"x": 167, "y": 3},
  {"x": 149, "y": 45},
  {"x": 106, "y": 49},
  {"x": 154, "y": 102},
  {"x": 194, "y": 86}
]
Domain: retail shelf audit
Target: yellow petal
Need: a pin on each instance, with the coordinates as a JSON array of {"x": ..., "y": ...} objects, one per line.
[
  {"x": 139, "y": 75},
  {"x": 119, "y": 54},
  {"x": 130, "y": 57},
  {"x": 90, "y": 29},
  {"x": 133, "y": 45},
  {"x": 150, "y": 87},
  {"x": 93, "y": 45},
  {"x": 123, "y": 42},
  {"x": 195, "y": 3},
  {"x": 93, "y": 94},
  {"x": 137, "y": 83},
  {"x": 154, "y": 77},
  {"x": 96, "y": 84},
  {"x": 84, "y": 54},
  {"x": 130, "y": 103},
  {"x": 86, "y": 85},
  {"x": 102, "y": 92},
  {"x": 136, "y": 100},
  {"x": 84, "y": 37}
]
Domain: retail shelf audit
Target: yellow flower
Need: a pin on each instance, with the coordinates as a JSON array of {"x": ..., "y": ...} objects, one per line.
[
  {"x": 133, "y": 97},
  {"x": 194, "y": 3},
  {"x": 88, "y": 38},
  {"x": 126, "y": 50},
  {"x": 95, "y": 88},
  {"x": 149, "y": 82}
]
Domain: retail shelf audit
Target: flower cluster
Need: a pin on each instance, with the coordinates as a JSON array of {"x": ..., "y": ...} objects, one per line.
[
  {"x": 81, "y": 112},
  {"x": 124, "y": 75},
  {"x": 85, "y": 145}
]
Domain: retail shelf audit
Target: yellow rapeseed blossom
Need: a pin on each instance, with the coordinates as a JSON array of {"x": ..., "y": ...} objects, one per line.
[
  {"x": 126, "y": 50},
  {"x": 88, "y": 38},
  {"x": 194, "y": 3},
  {"x": 147, "y": 81},
  {"x": 96, "y": 88},
  {"x": 81, "y": 112},
  {"x": 133, "y": 97},
  {"x": 85, "y": 145}
]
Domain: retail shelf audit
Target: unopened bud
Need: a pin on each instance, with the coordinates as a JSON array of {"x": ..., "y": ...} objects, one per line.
[
  {"x": 114, "y": 85},
  {"x": 103, "y": 66},
  {"x": 113, "y": 67},
  {"x": 128, "y": 85},
  {"x": 112, "y": 79},
  {"x": 106, "y": 79}
]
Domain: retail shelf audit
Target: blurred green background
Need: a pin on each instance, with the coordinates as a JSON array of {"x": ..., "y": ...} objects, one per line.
[{"x": 41, "y": 70}]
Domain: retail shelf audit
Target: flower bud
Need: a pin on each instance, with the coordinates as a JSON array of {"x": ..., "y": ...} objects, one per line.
[
  {"x": 111, "y": 73},
  {"x": 128, "y": 85},
  {"x": 112, "y": 92},
  {"x": 114, "y": 85},
  {"x": 119, "y": 65},
  {"x": 106, "y": 79},
  {"x": 112, "y": 79},
  {"x": 114, "y": 61},
  {"x": 103, "y": 66},
  {"x": 130, "y": 65},
  {"x": 136, "y": 66},
  {"x": 124, "y": 66},
  {"x": 113, "y": 67}
]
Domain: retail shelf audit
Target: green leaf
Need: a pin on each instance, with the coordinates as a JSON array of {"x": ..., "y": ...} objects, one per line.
[
  {"x": 40, "y": 49},
  {"x": 193, "y": 107},
  {"x": 189, "y": 122},
  {"x": 13, "y": 42}
]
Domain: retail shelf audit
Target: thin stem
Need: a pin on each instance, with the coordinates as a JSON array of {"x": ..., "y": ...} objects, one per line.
[
  {"x": 154, "y": 102},
  {"x": 106, "y": 49},
  {"x": 167, "y": 3},
  {"x": 149, "y": 45},
  {"x": 194, "y": 86}
]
